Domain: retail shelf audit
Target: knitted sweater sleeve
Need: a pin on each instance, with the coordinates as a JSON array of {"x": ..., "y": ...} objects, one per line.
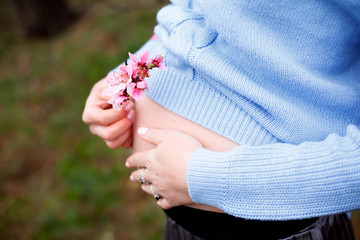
[{"x": 280, "y": 181}]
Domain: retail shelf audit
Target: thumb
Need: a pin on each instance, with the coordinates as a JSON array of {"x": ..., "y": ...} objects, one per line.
[
  {"x": 102, "y": 90},
  {"x": 152, "y": 135}
]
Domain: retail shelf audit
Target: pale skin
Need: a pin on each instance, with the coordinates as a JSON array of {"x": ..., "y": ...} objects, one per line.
[
  {"x": 115, "y": 127},
  {"x": 156, "y": 170},
  {"x": 162, "y": 144}
]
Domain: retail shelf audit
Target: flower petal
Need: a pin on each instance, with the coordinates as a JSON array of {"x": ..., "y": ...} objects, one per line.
[
  {"x": 144, "y": 56},
  {"x": 141, "y": 85},
  {"x": 133, "y": 57},
  {"x": 137, "y": 94},
  {"x": 162, "y": 67},
  {"x": 130, "y": 88}
]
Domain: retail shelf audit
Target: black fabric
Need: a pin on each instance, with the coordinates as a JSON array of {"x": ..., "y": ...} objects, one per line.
[
  {"x": 211, "y": 225},
  {"x": 333, "y": 227},
  {"x": 174, "y": 231}
]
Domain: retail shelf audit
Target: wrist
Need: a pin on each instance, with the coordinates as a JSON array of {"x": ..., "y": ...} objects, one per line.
[{"x": 206, "y": 174}]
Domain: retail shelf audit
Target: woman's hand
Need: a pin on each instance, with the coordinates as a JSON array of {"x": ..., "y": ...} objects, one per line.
[
  {"x": 164, "y": 167},
  {"x": 115, "y": 127}
]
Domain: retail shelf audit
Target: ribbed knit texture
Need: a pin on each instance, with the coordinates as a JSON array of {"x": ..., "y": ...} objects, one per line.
[
  {"x": 280, "y": 181},
  {"x": 269, "y": 75}
]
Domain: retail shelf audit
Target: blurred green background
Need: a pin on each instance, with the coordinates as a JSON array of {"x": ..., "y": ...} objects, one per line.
[{"x": 57, "y": 181}]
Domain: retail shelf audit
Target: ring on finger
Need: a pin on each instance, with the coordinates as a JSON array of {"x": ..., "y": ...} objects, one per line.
[
  {"x": 156, "y": 196},
  {"x": 142, "y": 180}
]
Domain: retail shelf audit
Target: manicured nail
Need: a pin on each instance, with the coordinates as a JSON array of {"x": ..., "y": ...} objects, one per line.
[
  {"x": 142, "y": 131},
  {"x": 131, "y": 178},
  {"x": 127, "y": 164},
  {"x": 131, "y": 114}
]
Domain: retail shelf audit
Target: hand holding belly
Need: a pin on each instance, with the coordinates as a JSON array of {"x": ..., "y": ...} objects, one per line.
[
  {"x": 115, "y": 127},
  {"x": 164, "y": 167}
]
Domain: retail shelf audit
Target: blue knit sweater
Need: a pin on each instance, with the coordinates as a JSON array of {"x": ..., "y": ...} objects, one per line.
[{"x": 280, "y": 78}]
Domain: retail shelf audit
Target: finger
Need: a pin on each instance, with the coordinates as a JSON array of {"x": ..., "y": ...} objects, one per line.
[
  {"x": 120, "y": 141},
  {"x": 139, "y": 159},
  {"x": 151, "y": 189},
  {"x": 95, "y": 101},
  {"x": 129, "y": 142},
  {"x": 154, "y": 136},
  {"x": 105, "y": 117},
  {"x": 164, "y": 203},
  {"x": 113, "y": 131},
  {"x": 136, "y": 175},
  {"x": 146, "y": 188},
  {"x": 101, "y": 114},
  {"x": 99, "y": 88}
]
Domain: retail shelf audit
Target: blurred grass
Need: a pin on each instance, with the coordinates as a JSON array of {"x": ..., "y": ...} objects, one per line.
[{"x": 57, "y": 181}]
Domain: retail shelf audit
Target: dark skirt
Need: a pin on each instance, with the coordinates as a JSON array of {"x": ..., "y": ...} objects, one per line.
[{"x": 184, "y": 223}]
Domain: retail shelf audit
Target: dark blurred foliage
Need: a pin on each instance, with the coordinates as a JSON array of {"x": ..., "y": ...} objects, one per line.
[{"x": 44, "y": 18}]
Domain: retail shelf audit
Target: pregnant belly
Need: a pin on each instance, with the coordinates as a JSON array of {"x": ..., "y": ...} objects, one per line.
[{"x": 150, "y": 114}]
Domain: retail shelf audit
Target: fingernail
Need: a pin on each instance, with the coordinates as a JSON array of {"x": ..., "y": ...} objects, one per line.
[
  {"x": 142, "y": 131},
  {"x": 127, "y": 164},
  {"x": 131, "y": 114},
  {"x": 131, "y": 178}
]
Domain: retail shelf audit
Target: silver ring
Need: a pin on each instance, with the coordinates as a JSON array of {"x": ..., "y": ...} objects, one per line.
[
  {"x": 142, "y": 180},
  {"x": 156, "y": 196}
]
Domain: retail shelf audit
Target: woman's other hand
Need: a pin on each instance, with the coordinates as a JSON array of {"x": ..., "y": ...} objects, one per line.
[
  {"x": 115, "y": 127},
  {"x": 164, "y": 167}
]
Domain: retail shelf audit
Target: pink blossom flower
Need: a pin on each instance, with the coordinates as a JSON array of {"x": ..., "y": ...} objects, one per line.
[
  {"x": 115, "y": 89},
  {"x": 154, "y": 37},
  {"x": 143, "y": 73},
  {"x": 127, "y": 83},
  {"x": 143, "y": 58},
  {"x": 114, "y": 78},
  {"x": 126, "y": 71},
  {"x": 117, "y": 101},
  {"x": 158, "y": 62},
  {"x": 134, "y": 92},
  {"x": 120, "y": 101},
  {"x": 142, "y": 85}
]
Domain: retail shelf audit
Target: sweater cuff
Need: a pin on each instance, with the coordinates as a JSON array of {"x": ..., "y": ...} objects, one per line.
[{"x": 206, "y": 176}]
